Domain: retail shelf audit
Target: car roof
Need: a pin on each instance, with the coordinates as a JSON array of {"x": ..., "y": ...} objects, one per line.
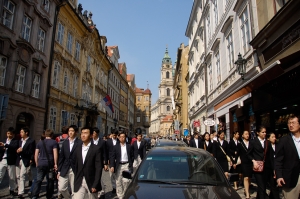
[{"x": 177, "y": 150}]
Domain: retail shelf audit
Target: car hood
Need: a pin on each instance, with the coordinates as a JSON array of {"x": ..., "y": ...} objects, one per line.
[{"x": 150, "y": 191}]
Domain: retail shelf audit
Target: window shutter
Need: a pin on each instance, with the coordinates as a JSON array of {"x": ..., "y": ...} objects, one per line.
[{"x": 3, "y": 106}]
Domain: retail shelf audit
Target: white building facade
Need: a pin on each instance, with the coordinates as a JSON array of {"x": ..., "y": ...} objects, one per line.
[{"x": 218, "y": 31}]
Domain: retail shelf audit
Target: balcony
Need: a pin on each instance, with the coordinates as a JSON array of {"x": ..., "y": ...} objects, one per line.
[{"x": 146, "y": 124}]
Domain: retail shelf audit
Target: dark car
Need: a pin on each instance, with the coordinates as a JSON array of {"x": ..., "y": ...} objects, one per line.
[
  {"x": 165, "y": 142},
  {"x": 179, "y": 172}
]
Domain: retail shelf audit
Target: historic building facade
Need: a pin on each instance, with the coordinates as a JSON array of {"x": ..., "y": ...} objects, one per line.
[
  {"x": 26, "y": 30},
  {"x": 164, "y": 103},
  {"x": 79, "y": 71},
  {"x": 143, "y": 114},
  {"x": 131, "y": 103},
  {"x": 124, "y": 89},
  {"x": 180, "y": 87}
]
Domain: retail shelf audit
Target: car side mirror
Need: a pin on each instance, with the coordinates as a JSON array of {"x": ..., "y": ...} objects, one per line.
[{"x": 126, "y": 174}]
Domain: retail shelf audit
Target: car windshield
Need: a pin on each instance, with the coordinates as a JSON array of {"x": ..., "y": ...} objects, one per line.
[
  {"x": 181, "y": 169},
  {"x": 170, "y": 143}
]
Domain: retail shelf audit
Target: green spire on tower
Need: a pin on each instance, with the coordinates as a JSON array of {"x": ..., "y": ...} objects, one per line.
[{"x": 167, "y": 58}]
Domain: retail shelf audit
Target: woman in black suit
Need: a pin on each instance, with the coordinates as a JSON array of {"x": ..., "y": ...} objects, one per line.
[
  {"x": 207, "y": 143},
  {"x": 234, "y": 155},
  {"x": 246, "y": 165},
  {"x": 259, "y": 150},
  {"x": 220, "y": 154}
]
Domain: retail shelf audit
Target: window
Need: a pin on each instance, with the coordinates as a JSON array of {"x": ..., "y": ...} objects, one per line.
[
  {"x": 217, "y": 56},
  {"x": 167, "y": 75},
  {"x": 139, "y": 108},
  {"x": 56, "y": 71},
  {"x": 147, "y": 98},
  {"x": 210, "y": 78},
  {"x": 26, "y": 28},
  {"x": 60, "y": 33},
  {"x": 168, "y": 108},
  {"x": 72, "y": 119},
  {"x": 66, "y": 82},
  {"x": 69, "y": 42},
  {"x": 8, "y": 13},
  {"x": 168, "y": 92},
  {"x": 46, "y": 5},
  {"x": 75, "y": 82},
  {"x": 20, "y": 79},
  {"x": 77, "y": 51},
  {"x": 138, "y": 98},
  {"x": 245, "y": 30},
  {"x": 52, "y": 118},
  {"x": 230, "y": 51},
  {"x": 208, "y": 25},
  {"x": 215, "y": 2},
  {"x": 88, "y": 63},
  {"x": 64, "y": 118},
  {"x": 36, "y": 86},
  {"x": 87, "y": 92},
  {"x": 138, "y": 119},
  {"x": 41, "y": 40},
  {"x": 3, "y": 64},
  {"x": 147, "y": 108},
  {"x": 146, "y": 119}
]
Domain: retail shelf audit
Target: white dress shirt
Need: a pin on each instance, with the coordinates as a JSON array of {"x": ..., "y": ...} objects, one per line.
[
  {"x": 24, "y": 141},
  {"x": 5, "y": 153},
  {"x": 246, "y": 144},
  {"x": 124, "y": 156},
  {"x": 114, "y": 141},
  {"x": 84, "y": 151},
  {"x": 138, "y": 144},
  {"x": 96, "y": 141},
  {"x": 297, "y": 144},
  {"x": 221, "y": 142},
  {"x": 71, "y": 143},
  {"x": 262, "y": 142},
  {"x": 196, "y": 141}
]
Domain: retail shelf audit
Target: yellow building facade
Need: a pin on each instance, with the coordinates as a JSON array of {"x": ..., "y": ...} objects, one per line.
[{"x": 124, "y": 87}]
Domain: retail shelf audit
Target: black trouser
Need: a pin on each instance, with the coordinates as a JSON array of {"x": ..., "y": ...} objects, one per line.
[
  {"x": 261, "y": 181},
  {"x": 274, "y": 190},
  {"x": 42, "y": 171}
]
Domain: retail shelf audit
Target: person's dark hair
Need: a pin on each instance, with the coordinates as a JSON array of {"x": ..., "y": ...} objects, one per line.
[
  {"x": 48, "y": 133},
  {"x": 73, "y": 127},
  {"x": 213, "y": 131},
  {"x": 195, "y": 133},
  {"x": 122, "y": 132},
  {"x": 64, "y": 130},
  {"x": 95, "y": 129},
  {"x": 260, "y": 128},
  {"x": 235, "y": 132},
  {"x": 11, "y": 130},
  {"x": 26, "y": 130},
  {"x": 87, "y": 128},
  {"x": 220, "y": 132},
  {"x": 206, "y": 133},
  {"x": 292, "y": 116},
  {"x": 269, "y": 135},
  {"x": 115, "y": 132}
]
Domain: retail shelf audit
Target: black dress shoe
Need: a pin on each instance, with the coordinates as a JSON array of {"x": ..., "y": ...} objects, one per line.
[
  {"x": 21, "y": 196},
  {"x": 113, "y": 191},
  {"x": 12, "y": 193}
]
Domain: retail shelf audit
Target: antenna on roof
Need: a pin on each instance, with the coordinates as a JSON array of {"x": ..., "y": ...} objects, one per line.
[{"x": 147, "y": 85}]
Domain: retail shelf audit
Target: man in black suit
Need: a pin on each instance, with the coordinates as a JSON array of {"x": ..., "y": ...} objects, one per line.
[
  {"x": 139, "y": 151},
  {"x": 24, "y": 158},
  {"x": 188, "y": 140},
  {"x": 66, "y": 162},
  {"x": 110, "y": 143},
  {"x": 87, "y": 167},
  {"x": 102, "y": 146},
  {"x": 121, "y": 160},
  {"x": 197, "y": 142},
  {"x": 287, "y": 160},
  {"x": 8, "y": 158}
]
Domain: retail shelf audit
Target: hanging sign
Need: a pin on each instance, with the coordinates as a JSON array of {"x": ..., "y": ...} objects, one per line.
[{"x": 209, "y": 122}]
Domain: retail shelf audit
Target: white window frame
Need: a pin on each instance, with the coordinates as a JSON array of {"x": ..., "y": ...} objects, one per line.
[
  {"x": 77, "y": 51},
  {"x": 56, "y": 73},
  {"x": 66, "y": 82},
  {"x": 72, "y": 119},
  {"x": 217, "y": 58},
  {"x": 60, "y": 33},
  {"x": 36, "y": 85},
  {"x": 75, "y": 85},
  {"x": 46, "y": 6},
  {"x": 41, "y": 40},
  {"x": 245, "y": 30},
  {"x": 20, "y": 78},
  {"x": 208, "y": 25},
  {"x": 210, "y": 77},
  {"x": 8, "y": 13},
  {"x": 70, "y": 42},
  {"x": 26, "y": 28},
  {"x": 3, "y": 65},
  {"x": 52, "y": 118},
  {"x": 216, "y": 12},
  {"x": 230, "y": 50}
]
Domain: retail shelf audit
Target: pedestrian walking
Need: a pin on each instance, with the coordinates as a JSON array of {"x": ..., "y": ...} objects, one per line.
[
  {"x": 235, "y": 159},
  {"x": 25, "y": 154},
  {"x": 121, "y": 159},
  {"x": 66, "y": 162},
  {"x": 88, "y": 167},
  {"x": 104, "y": 156},
  {"x": 207, "y": 145},
  {"x": 287, "y": 160},
  {"x": 110, "y": 143},
  {"x": 196, "y": 142},
  {"x": 8, "y": 156},
  {"x": 258, "y": 152},
  {"x": 139, "y": 151},
  {"x": 246, "y": 163}
]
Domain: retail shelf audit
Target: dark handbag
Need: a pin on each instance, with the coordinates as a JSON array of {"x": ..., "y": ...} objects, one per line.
[
  {"x": 261, "y": 163},
  {"x": 51, "y": 172}
]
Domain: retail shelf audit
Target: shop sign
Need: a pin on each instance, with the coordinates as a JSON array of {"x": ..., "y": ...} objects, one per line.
[
  {"x": 209, "y": 122},
  {"x": 185, "y": 132},
  {"x": 177, "y": 131},
  {"x": 196, "y": 123}
]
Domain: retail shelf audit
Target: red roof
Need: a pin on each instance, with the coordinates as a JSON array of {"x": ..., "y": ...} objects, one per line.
[
  {"x": 168, "y": 118},
  {"x": 109, "y": 48}
]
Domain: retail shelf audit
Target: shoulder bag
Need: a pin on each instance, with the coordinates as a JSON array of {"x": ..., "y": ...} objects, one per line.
[
  {"x": 261, "y": 163},
  {"x": 51, "y": 172},
  {"x": 228, "y": 158}
]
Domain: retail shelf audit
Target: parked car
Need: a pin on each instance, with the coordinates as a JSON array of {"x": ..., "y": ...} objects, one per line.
[
  {"x": 179, "y": 172},
  {"x": 165, "y": 142},
  {"x": 148, "y": 143}
]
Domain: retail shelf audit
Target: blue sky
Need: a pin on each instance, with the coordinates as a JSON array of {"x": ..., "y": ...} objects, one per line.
[{"x": 142, "y": 29}]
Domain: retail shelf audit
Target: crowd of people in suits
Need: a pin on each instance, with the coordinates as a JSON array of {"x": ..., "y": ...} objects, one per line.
[
  {"x": 71, "y": 161},
  {"x": 272, "y": 161}
]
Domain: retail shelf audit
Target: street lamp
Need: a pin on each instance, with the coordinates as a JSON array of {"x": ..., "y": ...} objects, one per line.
[
  {"x": 78, "y": 113},
  {"x": 241, "y": 65}
]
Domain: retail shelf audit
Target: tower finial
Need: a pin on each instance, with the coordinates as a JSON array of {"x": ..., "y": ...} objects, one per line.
[{"x": 147, "y": 85}]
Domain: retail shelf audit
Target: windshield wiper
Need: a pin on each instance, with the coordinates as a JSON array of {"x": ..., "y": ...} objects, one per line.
[
  {"x": 158, "y": 181},
  {"x": 197, "y": 183}
]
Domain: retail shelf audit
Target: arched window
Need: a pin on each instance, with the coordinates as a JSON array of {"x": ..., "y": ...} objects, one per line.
[
  {"x": 168, "y": 92},
  {"x": 168, "y": 108},
  {"x": 167, "y": 74}
]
